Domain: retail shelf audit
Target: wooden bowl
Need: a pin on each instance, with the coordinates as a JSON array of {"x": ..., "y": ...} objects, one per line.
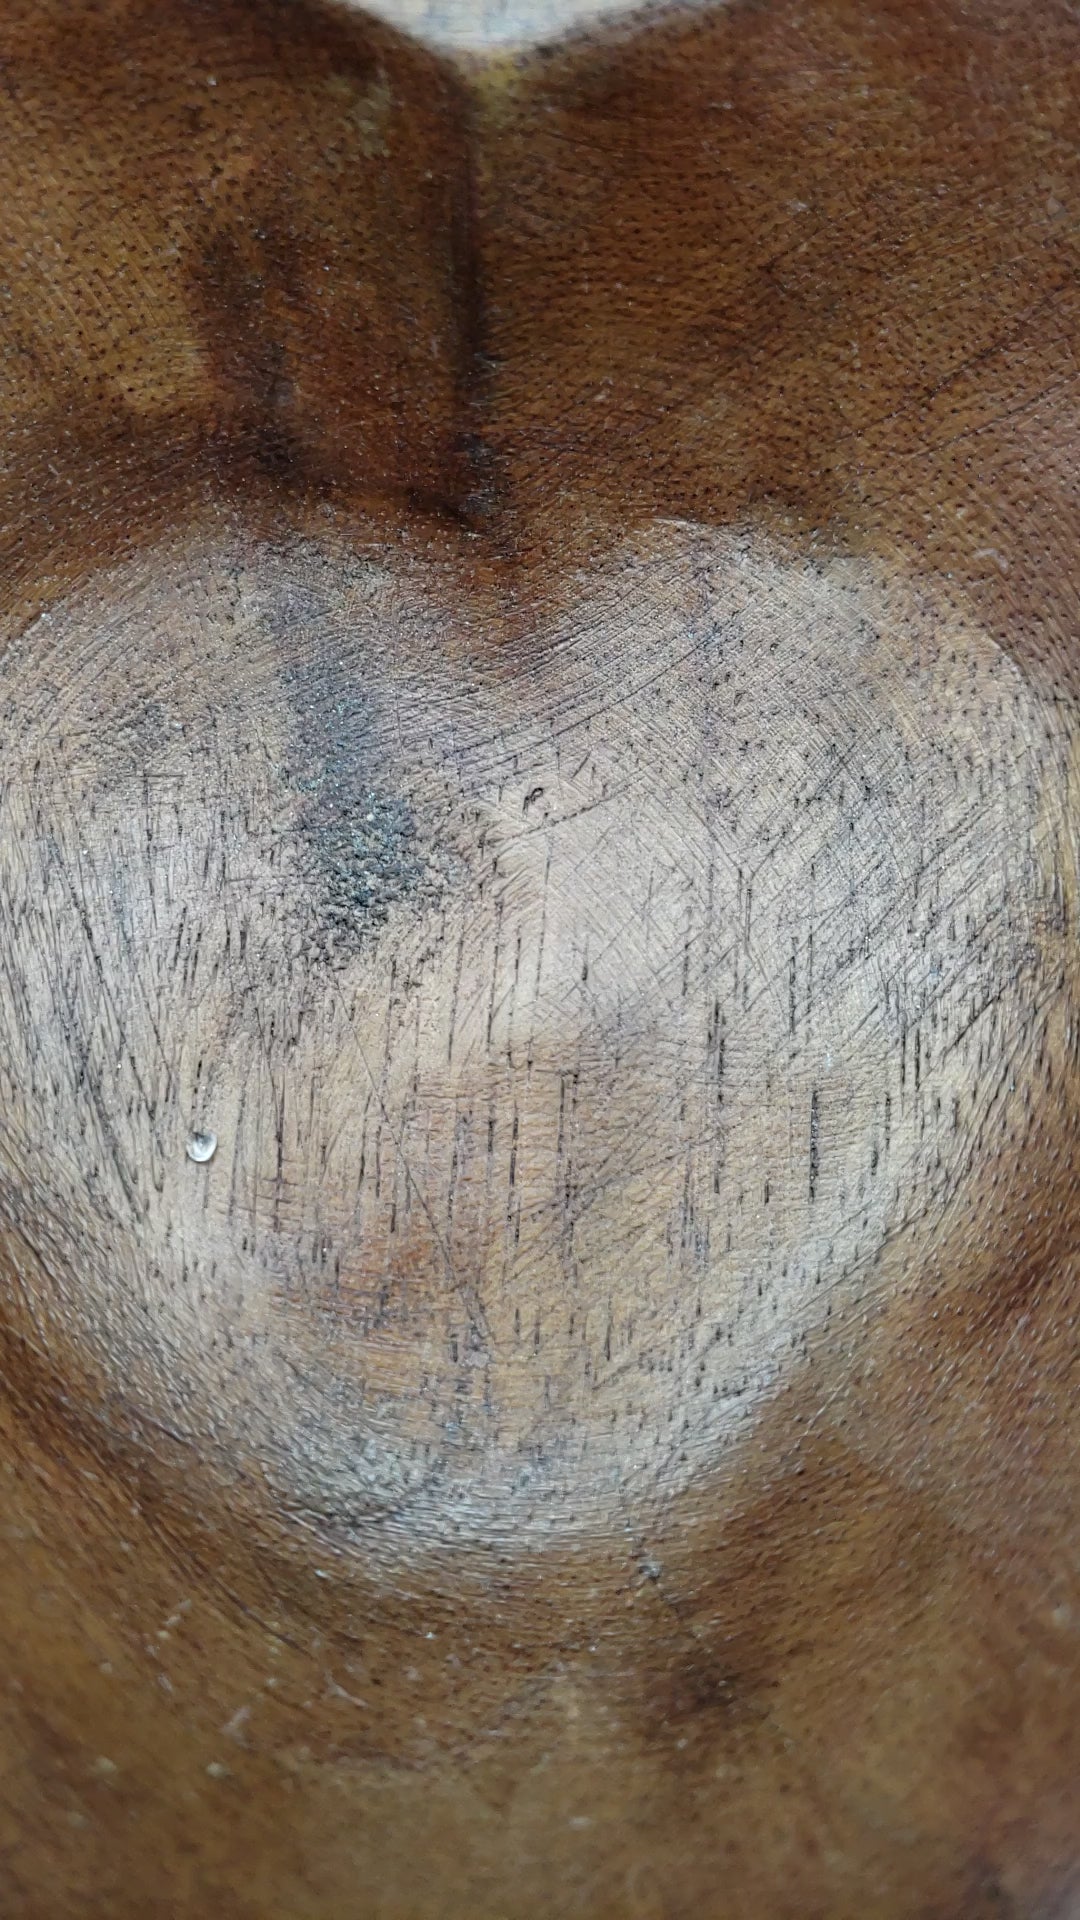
[{"x": 539, "y": 998}]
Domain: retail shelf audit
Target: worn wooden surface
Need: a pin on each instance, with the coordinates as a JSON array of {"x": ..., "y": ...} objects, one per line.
[{"x": 539, "y": 705}]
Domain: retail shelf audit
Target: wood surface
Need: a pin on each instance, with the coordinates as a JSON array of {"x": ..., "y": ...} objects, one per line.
[{"x": 538, "y": 706}]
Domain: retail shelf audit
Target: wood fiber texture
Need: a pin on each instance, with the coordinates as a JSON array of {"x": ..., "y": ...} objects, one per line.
[{"x": 538, "y": 705}]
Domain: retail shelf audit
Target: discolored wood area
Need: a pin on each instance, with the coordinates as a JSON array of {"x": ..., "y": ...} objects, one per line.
[{"x": 538, "y": 1014}]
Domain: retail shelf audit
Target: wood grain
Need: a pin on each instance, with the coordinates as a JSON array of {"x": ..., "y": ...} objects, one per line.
[{"x": 539, "y": 707}]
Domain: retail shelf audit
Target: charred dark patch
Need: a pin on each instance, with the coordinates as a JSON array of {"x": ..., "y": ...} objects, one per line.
[
  {"x": 369, "y": 856},
  {"x": 363, "y": 841}
]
